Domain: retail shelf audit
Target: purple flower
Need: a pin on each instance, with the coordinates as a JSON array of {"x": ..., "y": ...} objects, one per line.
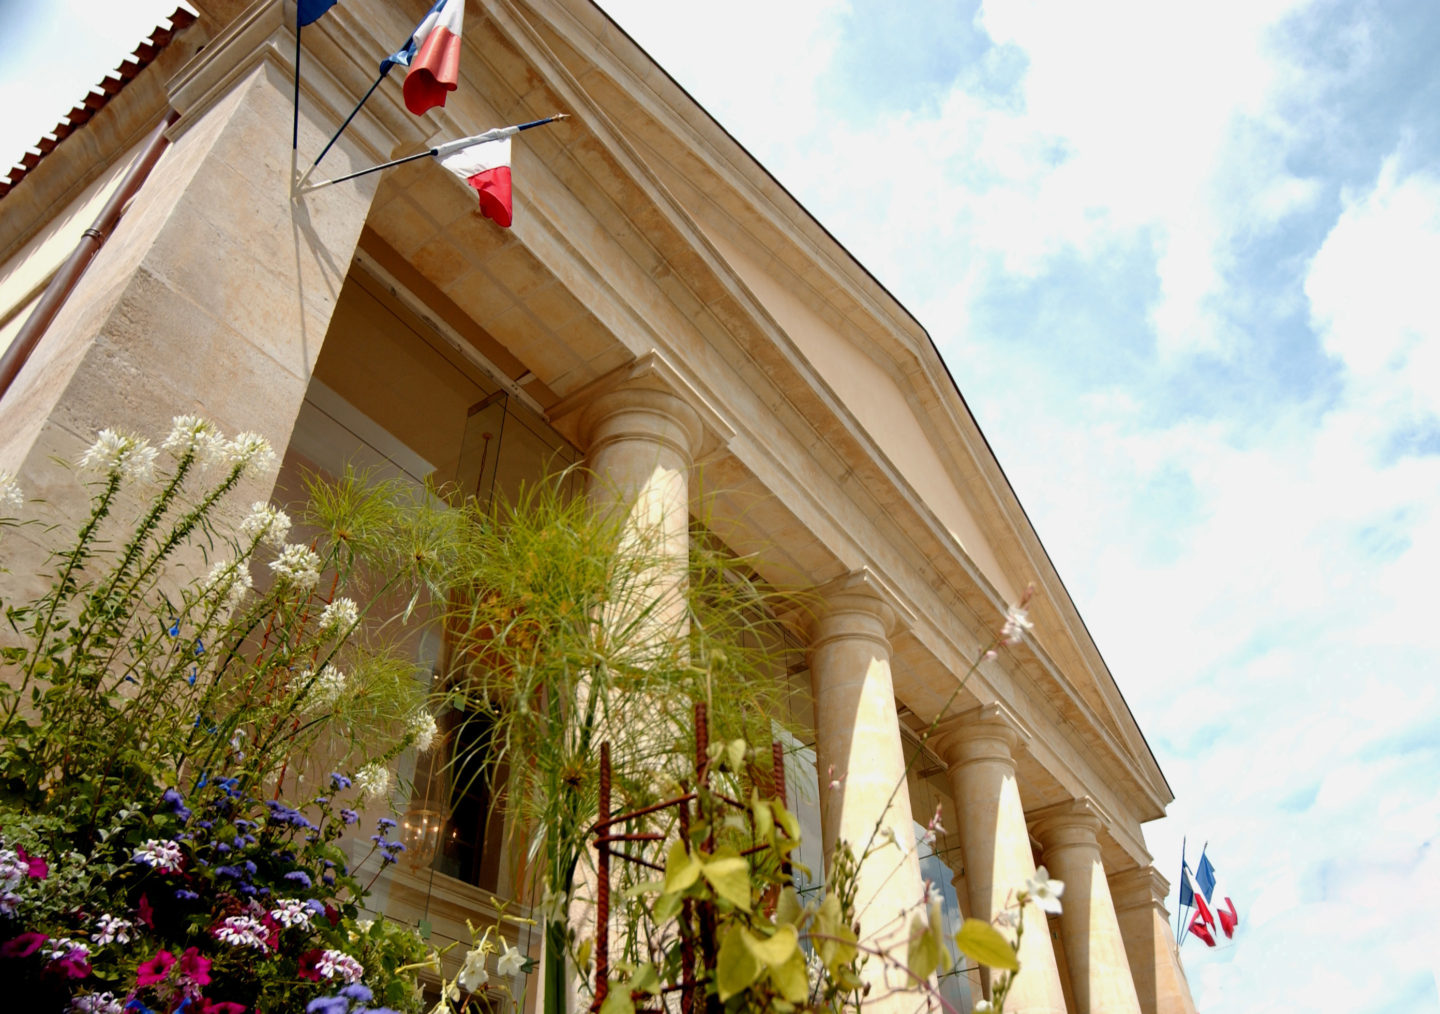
[
  {"x": 298, "y": 877},
  {"x": 349, "y": 816},
  {"x": 384, "y": 824},
  {"x": 358, "y": 991},
  {"x": 327, "y": 1005},
  {"x": 340, "y": 782}
]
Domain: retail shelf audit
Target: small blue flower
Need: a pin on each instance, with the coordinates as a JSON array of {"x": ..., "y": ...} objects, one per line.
[
  {"x": 300, "y": 877},
  {"x": 384, "y": 824},
  {"x": 183, "y": 895},
  {"x": 194, "y": 673},
  {"x": 358, "y": 991},
  {"x": 349, "y": 816},
  {"x": 327, "y": 1005},
  {"x": 174, "y": 628},
  {"x": 314, "y": 906},
  {"x": 220, "y": 846},
  {"x": 199, "y": 647},
  {"x": 340, "y": 782}
]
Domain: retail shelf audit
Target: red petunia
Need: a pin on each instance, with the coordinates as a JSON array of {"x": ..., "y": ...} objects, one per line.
[
  {"x": 144, "y": 912},
  {"x": 308, "y": 965},
  {"x": 155, "y": 970}
]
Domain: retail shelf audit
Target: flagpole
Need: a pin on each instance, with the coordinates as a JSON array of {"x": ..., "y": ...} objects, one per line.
[
  {"x": 295, "y": 126},
  {"x": 1179, "y": 908},
  {"x": 507, "y": 132},
  {"x": 353, "y": 113}
]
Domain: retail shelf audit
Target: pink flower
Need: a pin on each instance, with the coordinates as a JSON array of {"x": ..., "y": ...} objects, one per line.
[
  {"x": 221, "y": 1007},
  {"x": 194, "y": 967},
  {"x": 309, "y": 962},
  {"x": 22, "y": 946},
  {"x": 155, "y": 970},
  {"x": 37, "y": 868},
  {"x": 73, "y": 965},
  {"x": 145, "y": 913}
]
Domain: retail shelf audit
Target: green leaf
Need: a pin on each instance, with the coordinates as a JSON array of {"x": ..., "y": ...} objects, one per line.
[
  {"x": 764, "y": 817},
  {"x": 787, "y": 821},
  {"x": 925, "y": 952},
  {"x": 790, "y": 979},
  {"x": 735, "y": 754},
  {"x": 788, "y": 910},
  {"x": 645, "y": 980},
  {"x": 681, "y": 868},
  {"x": 836, "y": 941},
  {"x": 644, "y": 887},
  {"x": 666, "y": 907},
  {"x": 774, "y": 951},
  {"x": 982, "y": 942},
  {"x": 617, "y": 1001},
  {"x": 729, "y": 875},
  {"x": 735, "y": 967}
]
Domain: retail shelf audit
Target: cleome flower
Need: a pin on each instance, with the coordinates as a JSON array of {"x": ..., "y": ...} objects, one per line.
[
  {"x": 297, "y": 565},
  {"x": 339, "y": 616},
  {"x": 251, "y": 452},
  {"x": 117, "y": 453},
  {"x": 373, "y": 780},
  {"x": 1017, "y": 625},
  {"x": 266, "y": 524},
  {"x": 227, "y": 583},
  {"x": 421, "y": 728},
  {"x": 325, "y": 689},
  {"x": 192, "y": 434}
]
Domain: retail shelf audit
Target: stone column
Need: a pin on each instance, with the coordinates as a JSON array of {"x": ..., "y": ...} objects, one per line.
[
  {"x": 1099, "y": 969},
  {"x": 980, "y": 749},
  {"x": 1160, "y": 982},
  {"x": 857, "y": 744}
]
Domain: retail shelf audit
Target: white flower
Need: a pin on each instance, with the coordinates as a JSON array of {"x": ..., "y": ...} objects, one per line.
[
  {"x": 298, "y": 565},
  {"x": 11, "y": 499},
  {"x": 473, "y": 975},
  {"x": 242, "y": 931},
  {"x": 115, "y": 452},
  {"x": 109, "y": 929},
  {"x": 326, "y": 690},
  {"x": 422, "y": 730},
  {"x": 266, "y": 524},
  {"x": 227, "y": 583},
  {"x": 191, "y": 433},
  {"x": 983, "y": 1007},
  {"x": 338, "y": 964},
  {"x": 1017, "y": 624},
  {"x": 162, "y": 854},
  {"x": 888, "y": 836},
  {"x": 96, "y": 1003},
  {"x": 340, "y": 615},
  {"x": 251, "y": 452},
  {"x": 553, "y": 905},
  {"x": 1044, "y": 891},
  {"x": 373, "y": 780},
  {"x": 64, "y": 947},
  {"x": 510, "y": 963},
  {"x": 291, "y": 912}
]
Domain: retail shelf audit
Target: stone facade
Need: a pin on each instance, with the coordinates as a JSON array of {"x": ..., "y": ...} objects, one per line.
[{"x": 666, "y": 309}]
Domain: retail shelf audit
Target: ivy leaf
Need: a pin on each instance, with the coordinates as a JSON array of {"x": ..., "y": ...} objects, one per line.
[
  {"x": 735, "y": 967},
  {"x": 729, "y": 875},
  {"x": 982, "y": 942},
  {"x": 681, "y": 868},
  {"x": 735, "y": 754},
  {"x": 787, "y": 821},
  {"x": 774, "y": 951},
  {"x": 790, "y": 979},
  {"x": 764, "y": 818},
  {"x": 617, "y": 1001},
  {"x": 666, "y": 907}
]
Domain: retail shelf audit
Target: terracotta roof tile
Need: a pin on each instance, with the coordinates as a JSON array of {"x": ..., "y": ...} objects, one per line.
[{"x": 108, "y": 87}]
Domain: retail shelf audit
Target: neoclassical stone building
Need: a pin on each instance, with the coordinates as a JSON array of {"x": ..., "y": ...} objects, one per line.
[{"x": 662, "y": 310}]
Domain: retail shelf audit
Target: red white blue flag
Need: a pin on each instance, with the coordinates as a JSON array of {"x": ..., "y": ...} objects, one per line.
[
  {"x": 483, "y": 161},
  {"x": 433, "y": 55},
  {"x": 1198, "y": 889}
]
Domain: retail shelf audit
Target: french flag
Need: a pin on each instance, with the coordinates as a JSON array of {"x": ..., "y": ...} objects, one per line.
[
  {"x": 1198, "y": 889},
  {"x": 433, "y": 55},
  {"x": 483, "y": 161}
]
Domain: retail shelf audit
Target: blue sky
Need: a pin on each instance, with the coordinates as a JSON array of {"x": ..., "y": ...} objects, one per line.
[{"x": 1185, "y": 265}]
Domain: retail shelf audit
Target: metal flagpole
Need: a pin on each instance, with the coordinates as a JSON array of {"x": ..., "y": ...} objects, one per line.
[
  {"x": 450, "y": 147},
  {"x": 353, "y": 113},
  {"x": 1179, "y": 908},
  {"x": 295, "y": 126}
]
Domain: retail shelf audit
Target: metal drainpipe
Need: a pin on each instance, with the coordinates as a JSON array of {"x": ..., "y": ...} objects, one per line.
[{"x": 69, "y": 274}]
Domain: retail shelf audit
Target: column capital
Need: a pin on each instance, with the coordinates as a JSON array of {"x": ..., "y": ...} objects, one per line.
[
  {"x": 1140, "y": 887},
  {"x": 857, "y": 604},
  {"x": 990, "y": 732},
  {"x": 618, "y": 404},
  {"x": 1076, "y": 822}
]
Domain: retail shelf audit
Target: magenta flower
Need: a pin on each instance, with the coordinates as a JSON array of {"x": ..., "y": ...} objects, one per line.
[
  {"x": 22, "y": 946},
  {"x": 155, "y": 970},
  {"x": 36, "y": 867},
  {"x": 194, "y": 967}
]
